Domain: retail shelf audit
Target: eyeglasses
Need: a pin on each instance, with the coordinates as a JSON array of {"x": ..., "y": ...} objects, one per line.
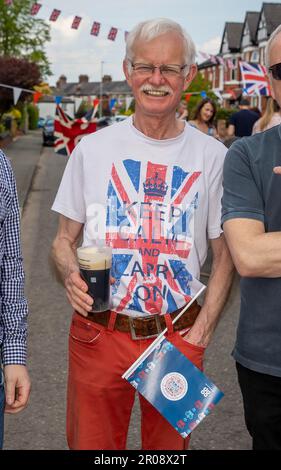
[
  {"x": 276, "y": 71},
  {"x": 168, "y": 70}
]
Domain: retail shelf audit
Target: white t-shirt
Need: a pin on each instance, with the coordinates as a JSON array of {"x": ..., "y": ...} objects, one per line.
[{"x": 156, "y": 202}]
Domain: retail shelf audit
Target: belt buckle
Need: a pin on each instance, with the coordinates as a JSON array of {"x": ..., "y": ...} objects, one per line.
[{"x": 133, "y": 331}]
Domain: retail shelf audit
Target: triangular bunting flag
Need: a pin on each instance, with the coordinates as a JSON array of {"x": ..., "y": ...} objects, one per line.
[
  {"x": 17, "y": 92},
  {"x": 129, "y": 100}
]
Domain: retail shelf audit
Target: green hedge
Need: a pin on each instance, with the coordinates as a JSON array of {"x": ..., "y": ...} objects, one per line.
[
  {"x": 223, "y": 113},
  {"x": 33, "y": 114}
]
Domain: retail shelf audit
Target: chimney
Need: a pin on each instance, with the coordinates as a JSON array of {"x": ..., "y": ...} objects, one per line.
[
  {"x": 106, "y": 79},
  {"x": 83, "y": 79},
  {"x": 61, "y": 83}
]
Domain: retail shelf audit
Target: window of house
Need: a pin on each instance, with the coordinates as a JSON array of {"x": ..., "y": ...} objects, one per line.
[
  {"x": 234, "y": 71},
  {"x": 255, "y": 56}
]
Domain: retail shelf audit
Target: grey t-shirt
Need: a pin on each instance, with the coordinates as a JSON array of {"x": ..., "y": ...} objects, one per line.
[{"x": 253, "y": 191}]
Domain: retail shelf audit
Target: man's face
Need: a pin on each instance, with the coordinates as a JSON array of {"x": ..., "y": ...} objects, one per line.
[
  {"x": 275, "y": 58},
  {"x": 157, "y": 94}
]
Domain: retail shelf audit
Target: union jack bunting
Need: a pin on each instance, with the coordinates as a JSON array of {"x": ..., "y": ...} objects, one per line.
[
  {"x": 8, "y": 2},
  {"x": 112, "y": 34},
  {"x": 76, "y": 22},
  {"x": 69, "y": 132},
  {"x": 54, "y": 15},
  {"x": 220, "y": 60},
  {"x": 95, "y": 28},
  {"x": 230, "y": 64},
  {"x": 254, "y": 79},
  {"x": 204, "y": 55},
  {"x": 213, "y": 59},
  {"x": 35, "y": 8}
]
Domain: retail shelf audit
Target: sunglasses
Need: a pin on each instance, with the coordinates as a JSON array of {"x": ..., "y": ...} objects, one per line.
[{"x": 276, "y": 71}]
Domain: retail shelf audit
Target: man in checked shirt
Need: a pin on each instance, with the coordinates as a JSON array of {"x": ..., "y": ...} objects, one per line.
[{"x": 14, "y": 380}]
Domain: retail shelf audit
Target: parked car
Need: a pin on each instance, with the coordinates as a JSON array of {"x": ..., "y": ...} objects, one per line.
[
  {"x": 41, "y": 122},
  {"x": 118, "y": 118},
  {"x": 49, "y": 131},
  {"x": 104, "y": 121}
]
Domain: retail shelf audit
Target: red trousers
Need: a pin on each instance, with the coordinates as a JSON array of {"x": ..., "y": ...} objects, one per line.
[{"x": 99, "y": 401}]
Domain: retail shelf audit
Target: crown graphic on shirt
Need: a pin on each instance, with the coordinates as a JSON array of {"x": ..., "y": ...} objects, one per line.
[{"x": 155, "y": 186}]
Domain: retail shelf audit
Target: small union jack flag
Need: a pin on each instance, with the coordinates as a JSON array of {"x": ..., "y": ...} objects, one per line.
[
  {"x": 254, "y": 79},
  {"x": 54, "y": 15},
  {"x": 230, "y": 64},
  {"x": 76, "y": 22},
  {"x": 213, "y": 59},
  {"x": 112, "y": 34},
  {"x": 35, "y": 8},
  {"x": 95, "y": 28},
  {"x": 69, "y": 132}
]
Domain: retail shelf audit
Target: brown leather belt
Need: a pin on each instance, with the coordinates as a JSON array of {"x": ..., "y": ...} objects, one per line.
[{"x": 148, "y": 326}]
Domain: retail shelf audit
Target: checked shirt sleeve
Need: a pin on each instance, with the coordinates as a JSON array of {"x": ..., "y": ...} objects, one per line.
[{"x": 13, "y": 314}]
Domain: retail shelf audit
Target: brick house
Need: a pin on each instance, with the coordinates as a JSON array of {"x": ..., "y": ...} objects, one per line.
[{"x": 241, "y": 41}]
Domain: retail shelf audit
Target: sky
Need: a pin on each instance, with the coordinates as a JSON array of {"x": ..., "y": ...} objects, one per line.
[{"x": 74, "y": 52}]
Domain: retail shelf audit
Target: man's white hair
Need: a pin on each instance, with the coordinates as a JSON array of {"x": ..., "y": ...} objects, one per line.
[
  {"x": 269, "y": 44},
  {"x": 150, "y": 29}
]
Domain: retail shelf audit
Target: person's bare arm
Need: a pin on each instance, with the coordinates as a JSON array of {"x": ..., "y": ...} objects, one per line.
[
  {"x": 17, "y": 387},
  {"x": 255, "y": 253},
  {"x": 64, "y": 256},
  {"x": 231, "y": 130},
  {"x": 217, "y": 292}
]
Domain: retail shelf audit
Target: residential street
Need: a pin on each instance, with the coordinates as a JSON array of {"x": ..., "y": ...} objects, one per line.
[{"x": 42, "y": 424}]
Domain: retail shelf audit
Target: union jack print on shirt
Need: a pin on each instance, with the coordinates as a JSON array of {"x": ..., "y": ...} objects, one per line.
[
  {"x": 254, "y": 79},
  {"x": 150, "y": 216}
]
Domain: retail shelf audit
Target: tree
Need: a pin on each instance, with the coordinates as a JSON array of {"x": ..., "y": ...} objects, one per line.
[
  {"x": 23, "y": 35},
  {"x": 18, "y": 73},
  {"x": 199, "y": 84}
]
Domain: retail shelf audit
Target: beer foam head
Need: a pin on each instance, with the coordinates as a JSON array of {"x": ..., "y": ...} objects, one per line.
[{"x": 94, "y": 257}]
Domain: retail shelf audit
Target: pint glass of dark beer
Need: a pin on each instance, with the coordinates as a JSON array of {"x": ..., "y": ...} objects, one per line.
[{"x": 95, "y": 265}]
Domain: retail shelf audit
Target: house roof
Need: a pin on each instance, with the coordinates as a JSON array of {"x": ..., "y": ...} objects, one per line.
[
  {"x": 272, "y": 13},
  {"x": 252, "y": 18},
  {"x": 207, "y": 63},
  {"x": 234, "y": 35},
  {"x": 94, "y": 88}
]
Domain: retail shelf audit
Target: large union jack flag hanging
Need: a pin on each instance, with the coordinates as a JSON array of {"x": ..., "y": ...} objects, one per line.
[
  {"x": 69, "y": 132},
  {"x": 254, "y": 79}
]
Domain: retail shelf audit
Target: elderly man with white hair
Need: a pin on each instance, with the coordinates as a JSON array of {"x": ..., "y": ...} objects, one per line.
[
  {"x": 152, "y": 186},
  {"x": 252, "y": 226}
]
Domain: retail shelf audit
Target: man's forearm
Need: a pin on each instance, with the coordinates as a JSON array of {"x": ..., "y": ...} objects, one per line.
[
  {"x": 64, "y": 258},
  {"x": 216, "y": 295},
  {"x": 258, "y": 255}
]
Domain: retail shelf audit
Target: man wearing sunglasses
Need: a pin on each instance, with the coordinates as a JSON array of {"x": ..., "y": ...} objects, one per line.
[
  {"x": 155, "y": 184},
  {"x": 251, "y": 219}
]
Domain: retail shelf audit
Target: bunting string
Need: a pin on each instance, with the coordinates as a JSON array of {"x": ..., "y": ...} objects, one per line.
[{"x": 55, "y": 14}]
